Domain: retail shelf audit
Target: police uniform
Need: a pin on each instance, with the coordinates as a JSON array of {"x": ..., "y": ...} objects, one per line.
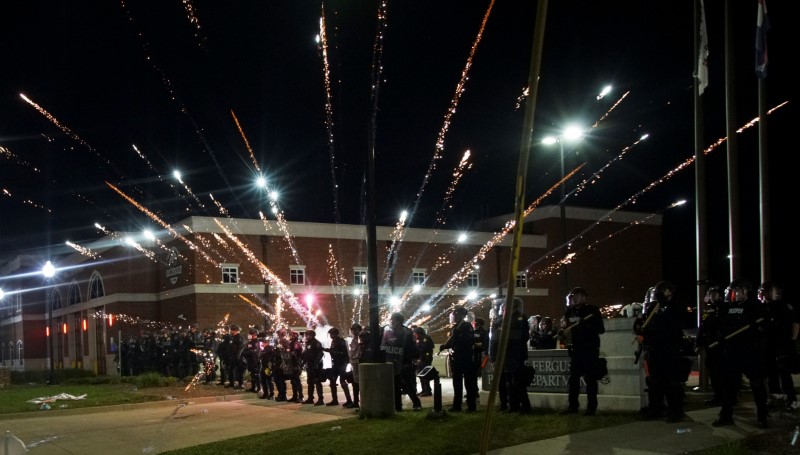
[
  {"x": 585, "y": 324},
  {"x": 463, "y": 369},
  {"x": 742, "y": 341},
  {"x": 398, "y": 346}
]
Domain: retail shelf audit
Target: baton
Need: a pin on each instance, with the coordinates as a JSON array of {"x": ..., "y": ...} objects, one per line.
[
  {"x": 736, "y": 332},
  {"x": 646, "y": 321},
  {"x": 579, "y": 321}
]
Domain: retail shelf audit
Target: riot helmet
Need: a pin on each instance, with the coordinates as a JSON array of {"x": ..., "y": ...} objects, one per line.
[
  {"x": 576, "y": 296},
  {"x": 333, "y": 332},
  {"x": 737, "y": 291},
  {"x": 458, "y": 314},
  {"x": 662, "y": 291},
  {"x": 769, "y": 291},
  {"x": 397, "y": 319}
]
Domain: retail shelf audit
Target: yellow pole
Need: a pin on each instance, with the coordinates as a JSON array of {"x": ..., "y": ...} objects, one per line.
[{"x": 519, "y": 211}]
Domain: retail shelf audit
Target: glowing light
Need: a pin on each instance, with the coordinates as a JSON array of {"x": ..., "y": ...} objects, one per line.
[
  {"x": 273, "y": 196},
  {"x": 644, "y": 136},
  {"x": 177, "y": 175},
  {"x": 48, "y": 270},
  {"x": 403, "y": 216},
  {"x": 148, "y": 234},
  {"x": 309, "y": 299},
  {"x": 425, "y": 307},
  {"x": 130, "y": 241},
  {"x": 416, "y": 288},
  {"x": 606, "y": 90},
  {"x": 462, "y": 238},
  {"x": 357, "y": 291},
  {"x": 2, "y": 294},
  {"x": 394, "y": 300},
  {"x": 472, "y": 295},
  {"x": 261, "y": 182}
]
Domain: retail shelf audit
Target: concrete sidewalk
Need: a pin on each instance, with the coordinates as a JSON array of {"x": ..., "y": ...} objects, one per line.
[
  {"x": 168, "y": 425},
  {"x": 647, "y": 437}
]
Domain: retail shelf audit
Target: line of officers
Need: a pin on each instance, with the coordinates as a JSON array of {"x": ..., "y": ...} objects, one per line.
[{"x": 742, "y": 334}]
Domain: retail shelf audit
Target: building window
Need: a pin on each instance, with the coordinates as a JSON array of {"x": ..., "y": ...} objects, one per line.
[
  {"x": 522, "y": 280},
  {"x": 74, "y": 294},
  {"x": 11, "y": 353},
  {"x": 359, "y": 276},
  {"x": 230, "y": 274},
  {"x": 472, "y": 280},
  {"x": 96, "y": 289},
  {"x": 297, "y": 274},
  {"x": 418, "y": 277},
  {"x": 20, "y": 357}
]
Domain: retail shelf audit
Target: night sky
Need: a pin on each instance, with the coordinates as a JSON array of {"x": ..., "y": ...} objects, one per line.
[{"x": 168, "y": 77}]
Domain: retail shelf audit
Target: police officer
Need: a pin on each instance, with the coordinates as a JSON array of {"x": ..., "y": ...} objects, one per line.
[
  {"x": 250, "y": 358},
  {"x": 583, "y": 325},
  {"x": 424, "y": 344},
  {"x": 397, "y": 343},
  {"x": 295, "y": 350},
  {"x": 209, "y": 349},
  {"x": 222, "y": 355},
  {"x": 235, "y": 367},
  {"x": 707, "y": 332},
  {"x": 266, "y": 360},
  {"x": 340, "y": 358},
  {"x": 662, "y": 335},
  {"x": 480, "y": 343},
  {"x": 781, "y": 350},
  {"x": 513, "y": 388},
  {"x": 354, "y": 352},
  {"x": 463, "y": 370},
  {"x": 742, "y": 341},
  {"x": 312, "y": 363}
]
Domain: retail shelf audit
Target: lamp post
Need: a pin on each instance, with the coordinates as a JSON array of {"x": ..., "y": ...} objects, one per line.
[
  {"x": 571, "y": 134},
  {"x": 48, "y": 271}
]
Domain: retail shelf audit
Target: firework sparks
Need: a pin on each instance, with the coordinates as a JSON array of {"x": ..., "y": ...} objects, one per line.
[
  {"x": 246, "y": 142},
  {"x": 596, "y": 176},
  {"x": 323, "y": 43},
  {"x": 463, "y": 165},
  {"x": 460, "y": 89},
  {"x": 603, "y": 117},
  {"x": 191, "y": 15}
]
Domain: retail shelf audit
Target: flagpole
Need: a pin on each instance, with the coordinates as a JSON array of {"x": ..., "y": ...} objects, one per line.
[
  {"x": 731, "y": 145},
  {"x": 519, "y": 215},
  {"x": 701, "y": 201},
  {"x": 763, "y": 162}
]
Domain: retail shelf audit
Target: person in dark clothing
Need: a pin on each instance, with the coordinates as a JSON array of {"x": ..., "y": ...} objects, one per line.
[
  {"x": 742, "y": 341},
  {"x": 295, "y": 353},
  {"x": 397, "y": 344},
  {"x": 339, "y": 361},
  {"x": 582, "y": 325},
  {"x": 480, "y": 344},
  {"x": 222, "y": 355},
  {"x": 249, "y": 357},
  {"x": 312, "y": 364},
  {"x": 512, "y": 387},
  {"x": 707, "y": 332},
  {"x": 662, "y": 335},
  {"x": 235, "y": 366},
  {"x": 424, "y": 344},
  {"x": 547, "y": 336},
  {"x": 463, "y": 369},
  {"x": 354, "y": 352},
  {"x": 266, "y": 360},
  {"x": 783, "y": 330}
]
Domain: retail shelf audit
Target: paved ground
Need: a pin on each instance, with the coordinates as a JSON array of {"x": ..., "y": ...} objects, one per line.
[{"x": 158, "y": 427}]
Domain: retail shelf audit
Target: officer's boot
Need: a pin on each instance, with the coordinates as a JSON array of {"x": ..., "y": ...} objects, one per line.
[
  {"x": 348, "y": 401},
  {"x": 335, "y": 400},
  {"x": 310, "y": 399},
  {"x": 356, "y": 392},
  {"x": 320, "y": 398}
]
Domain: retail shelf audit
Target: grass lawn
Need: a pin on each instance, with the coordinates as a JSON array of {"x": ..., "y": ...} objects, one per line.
[{"x": 14, "y": 398}]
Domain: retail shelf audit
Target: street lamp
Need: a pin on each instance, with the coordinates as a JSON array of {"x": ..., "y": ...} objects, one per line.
[
  {"x": 48, "y": 271},
  {"x": 570, "y": 134}
]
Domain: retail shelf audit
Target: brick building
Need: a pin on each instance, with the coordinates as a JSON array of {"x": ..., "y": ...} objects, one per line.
[{"x": 252, "y": 272}]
